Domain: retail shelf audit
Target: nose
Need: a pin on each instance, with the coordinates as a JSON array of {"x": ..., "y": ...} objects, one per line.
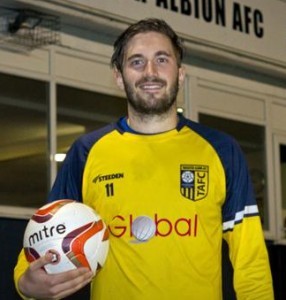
[{"x": 151, "y": 69}]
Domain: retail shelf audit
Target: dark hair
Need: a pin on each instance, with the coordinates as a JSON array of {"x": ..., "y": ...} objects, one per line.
[{"x": 145, "y": 25}]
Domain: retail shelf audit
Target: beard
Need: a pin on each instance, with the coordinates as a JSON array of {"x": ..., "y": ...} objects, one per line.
[{"x": 148, "y": 103}]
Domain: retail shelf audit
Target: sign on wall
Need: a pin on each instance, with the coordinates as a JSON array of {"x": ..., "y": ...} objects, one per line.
[{"x": 256, "y": 28}]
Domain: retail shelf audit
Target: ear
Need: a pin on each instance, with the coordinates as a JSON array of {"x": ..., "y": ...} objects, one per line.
[
  {"x": 118, "y": 78},
  {"x": 181, "y": 76}
]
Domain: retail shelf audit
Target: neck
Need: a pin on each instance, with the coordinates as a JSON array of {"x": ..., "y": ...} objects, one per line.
[{"x": 151, "y": 124}]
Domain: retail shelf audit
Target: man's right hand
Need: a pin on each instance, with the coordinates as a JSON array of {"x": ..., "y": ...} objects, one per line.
[{"x": 36, "y": 283}]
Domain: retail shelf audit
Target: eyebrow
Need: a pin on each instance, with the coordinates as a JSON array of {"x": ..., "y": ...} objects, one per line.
[
  {"x": 158, "y": 53},
  {"x": 134, "y": 56},
  {"x": 162, "y": 52}
]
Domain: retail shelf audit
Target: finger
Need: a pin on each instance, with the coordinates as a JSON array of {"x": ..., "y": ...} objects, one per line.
[
  {"x": 42, "y": 261},
  {"x": 71, "y": 282},
  {"x": 73, "y": 276},
  {"x": 69, "y": 291}
]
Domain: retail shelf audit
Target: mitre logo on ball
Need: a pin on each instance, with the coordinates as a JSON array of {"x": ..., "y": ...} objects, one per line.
[{"x": 72, "y": 231}]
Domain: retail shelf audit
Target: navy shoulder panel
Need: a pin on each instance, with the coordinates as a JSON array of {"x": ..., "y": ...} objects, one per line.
[
  {"x": 239, "y": 189},
  {"x": 219, "y": 140},
  {"x": 68, "y": 184}
]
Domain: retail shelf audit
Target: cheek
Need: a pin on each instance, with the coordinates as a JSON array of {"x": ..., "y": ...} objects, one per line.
[
  {"x": 132, "y": 79},
  {"x": 172, "y": 79},
  {"x": 168, "y": 74}
]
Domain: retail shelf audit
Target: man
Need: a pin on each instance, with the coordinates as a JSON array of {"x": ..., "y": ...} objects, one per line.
[{"x": 188, "y": 183}]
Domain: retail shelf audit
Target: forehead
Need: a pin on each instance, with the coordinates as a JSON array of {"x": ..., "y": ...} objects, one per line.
[{"x": 147, "y": 43}]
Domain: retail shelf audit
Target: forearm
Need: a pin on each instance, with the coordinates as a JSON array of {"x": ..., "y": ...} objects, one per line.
[
  {"x": 20, "y": 268},
  {"x": 249, "y": 257}
]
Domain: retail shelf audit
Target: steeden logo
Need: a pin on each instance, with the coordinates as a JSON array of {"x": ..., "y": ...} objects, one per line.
[{"x": 106, "y": 177}]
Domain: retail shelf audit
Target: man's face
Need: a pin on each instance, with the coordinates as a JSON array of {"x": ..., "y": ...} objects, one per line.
[{"x": 150, "y": 74}]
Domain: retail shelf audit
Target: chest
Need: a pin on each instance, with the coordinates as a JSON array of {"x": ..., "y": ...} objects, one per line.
[{"x": 167, "y": 178}]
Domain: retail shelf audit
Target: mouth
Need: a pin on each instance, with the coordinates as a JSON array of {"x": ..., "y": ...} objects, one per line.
[{"x": 151, "y": 86}]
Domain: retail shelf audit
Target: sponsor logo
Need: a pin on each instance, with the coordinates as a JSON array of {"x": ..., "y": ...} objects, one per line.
[
  {"x": 194, "y": 181},
  {"x": 106, "y": 177},
  {"x": 142, "y": 228}
]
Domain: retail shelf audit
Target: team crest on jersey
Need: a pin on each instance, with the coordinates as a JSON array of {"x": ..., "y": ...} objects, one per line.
[{"x": 194, "y": 181}]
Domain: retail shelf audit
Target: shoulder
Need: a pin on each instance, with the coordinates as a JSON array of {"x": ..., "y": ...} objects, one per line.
[
  {"x": 213, "y": 136},
  {"x": 86, "y": 141},
  {"x": 225, "y": 145},
  {"x": 81, "y": 147}
]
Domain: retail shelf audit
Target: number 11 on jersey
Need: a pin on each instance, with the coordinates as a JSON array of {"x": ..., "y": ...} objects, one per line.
[{"x": 109, "y": 189}]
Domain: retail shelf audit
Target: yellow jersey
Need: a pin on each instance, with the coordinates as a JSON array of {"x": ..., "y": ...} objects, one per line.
[{"x": 168, "y": 200}]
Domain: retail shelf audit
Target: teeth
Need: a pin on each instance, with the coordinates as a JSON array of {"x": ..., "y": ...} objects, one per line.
[{"x": 151, "y": 86}]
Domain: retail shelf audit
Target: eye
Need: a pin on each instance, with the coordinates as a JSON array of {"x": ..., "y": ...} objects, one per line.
[
  {"x": 137, "y": 63},
  {"x": 162, "y": 59}
]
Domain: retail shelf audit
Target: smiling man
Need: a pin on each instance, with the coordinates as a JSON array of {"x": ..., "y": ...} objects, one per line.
[
  {"x": 150, "y": 78},
  {"x": 183, "y": 187}
]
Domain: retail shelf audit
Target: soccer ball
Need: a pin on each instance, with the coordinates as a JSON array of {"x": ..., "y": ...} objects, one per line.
[{"x": 72, "y": 231}]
